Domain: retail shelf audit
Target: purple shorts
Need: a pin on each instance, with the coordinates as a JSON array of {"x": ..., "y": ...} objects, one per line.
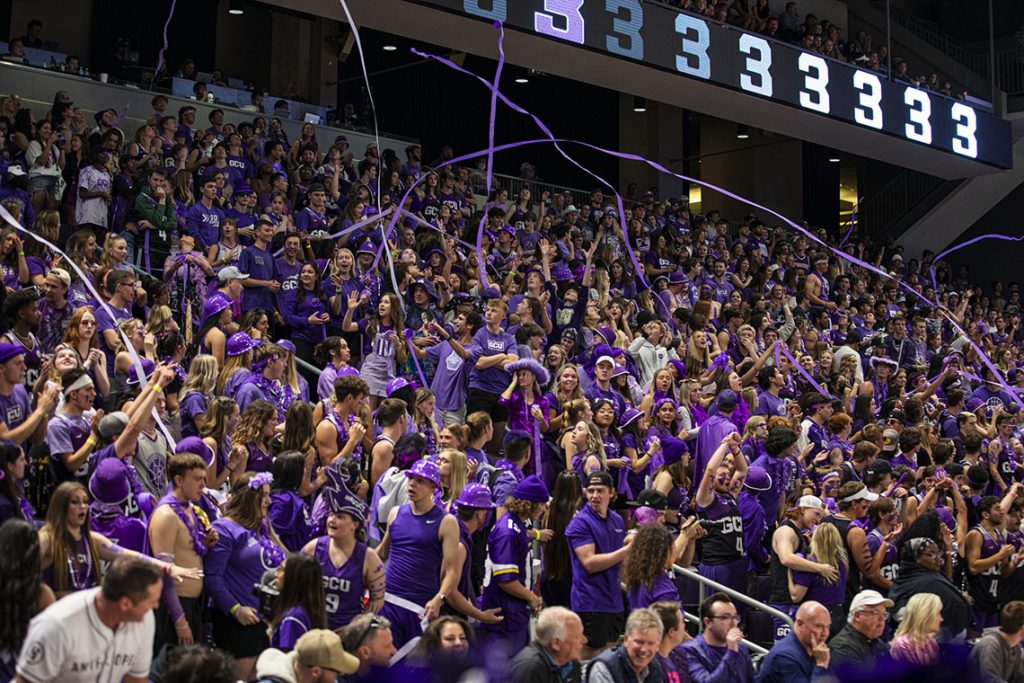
[
  {"x": 782, "y": 629},
  {"x": 983, "y": 620}
]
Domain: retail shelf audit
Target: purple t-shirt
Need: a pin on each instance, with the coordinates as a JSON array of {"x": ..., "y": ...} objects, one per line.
[
  {"x": 492, "y": 380},
  {"x": 16, "y": 408},
  {"x": 104, "y": 322},
  {"x": 235, "y": 564},
  {"x": 660, "y": 589},
  {"x": 600, "y": 591},
  {"x": 289, "y": 515},
  {"x": 818, "y": 589},
  {"x": 65, "y": 434},
  {"x": 294, "y": 622},
  {"x": 259, "y": 265},
  {"x": 769, "y": 405},
  {"x": 451, "y": 375},
  {"x": 194, "y": 403}
]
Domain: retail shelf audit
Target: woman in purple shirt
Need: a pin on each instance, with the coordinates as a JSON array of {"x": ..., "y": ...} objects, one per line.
[
  {"x": 827, "y": 548},
  {"x": 246, "y": 547},
  {"x": 527, "y": 408},
  {"x": 300, "y": 605},
  {"x": 307, "y": 312},
  {"x": 645, "y": 569}
]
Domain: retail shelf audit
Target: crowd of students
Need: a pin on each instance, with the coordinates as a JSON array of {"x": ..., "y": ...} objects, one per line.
[{"x": 252, "y": 429}]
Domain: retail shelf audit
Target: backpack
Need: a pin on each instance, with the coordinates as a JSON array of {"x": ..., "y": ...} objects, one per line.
[{"x": 40, "y": 480}]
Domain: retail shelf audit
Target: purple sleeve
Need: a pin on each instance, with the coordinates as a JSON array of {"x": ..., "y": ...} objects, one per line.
[
  {"x": 433, "y": 353},
  {"x": 504, "y": 487},
  {"x": 802, "y": 578},
  {"x": 58, "y": 437},
  {"x": 193, "y": 404},
  {"x": 215, "y": 564},
  {"x": 502, "y": 552},
  {"x": 103, "y": 320},
  {"x": 578, "y": 533}
]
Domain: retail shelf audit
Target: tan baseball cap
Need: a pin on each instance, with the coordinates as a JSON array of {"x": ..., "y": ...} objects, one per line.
[{"x": 322, "y": 648}]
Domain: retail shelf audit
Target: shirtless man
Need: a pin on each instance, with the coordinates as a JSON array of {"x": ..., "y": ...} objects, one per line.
[{"x": 177, "y": 530}]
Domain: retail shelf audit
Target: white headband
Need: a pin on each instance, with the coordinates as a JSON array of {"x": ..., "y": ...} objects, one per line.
[{"x": 81, "y": 382}]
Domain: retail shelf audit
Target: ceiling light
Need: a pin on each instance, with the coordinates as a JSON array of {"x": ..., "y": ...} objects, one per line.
[
  {"x": 639, "y": 104},
  {"x": 522, "y": 79},
  {"x": 742, "y": 131},
  {"x": 237, "y": 7},
  {"x": 833, "y": 160},
  {"x": 389, "y": 48}
]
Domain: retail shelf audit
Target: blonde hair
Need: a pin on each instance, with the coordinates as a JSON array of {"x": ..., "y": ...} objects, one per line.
[
  {"x": 751, "y": 427},
  {"x": 108, "y": 246},
  {"x": 460, "y": 473},
  {"x": 159, "y": 317},
  {"x": 919, "y": 617},
  {"x": 202, "y": 376},
  {"x": 231, "y": 365},
  {"x": 827, "y": 546},
  {"x": 423, "y": 394},
  {"x": 595, "y": 444}
]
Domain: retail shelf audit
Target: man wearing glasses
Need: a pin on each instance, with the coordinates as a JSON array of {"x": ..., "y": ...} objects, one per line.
[
  {"x": 368, "y": 637},
  {"x": 860, "y": 642},
  {"x": 718, "y": 655}
]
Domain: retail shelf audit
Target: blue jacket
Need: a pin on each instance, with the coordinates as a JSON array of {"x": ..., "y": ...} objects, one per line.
[{"x": 788, "y": 662}]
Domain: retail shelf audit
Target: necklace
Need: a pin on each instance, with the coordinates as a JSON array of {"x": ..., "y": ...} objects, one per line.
[
  {"x": 27, "y": 342},
  {"x": 80, "y": 580}
]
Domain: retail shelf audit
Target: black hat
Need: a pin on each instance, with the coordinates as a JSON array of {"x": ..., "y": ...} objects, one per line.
[
  {"x": 600, "y": 478},
  {"x": 651, "y": 498},
  {"x": 879, "y": 467}
]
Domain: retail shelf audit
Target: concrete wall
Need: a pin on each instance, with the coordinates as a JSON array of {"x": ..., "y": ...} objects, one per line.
[
  {"x": 656, "y": 134},
  {"x": 750, "y": 168}
]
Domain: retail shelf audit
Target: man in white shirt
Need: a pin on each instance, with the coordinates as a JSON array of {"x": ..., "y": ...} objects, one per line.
[
  {"x": 94, "y": 188},
  {"x": 100, "y": 634}
]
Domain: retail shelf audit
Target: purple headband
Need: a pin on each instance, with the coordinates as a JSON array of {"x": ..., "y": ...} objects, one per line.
[{"x": 260, "y": 480}]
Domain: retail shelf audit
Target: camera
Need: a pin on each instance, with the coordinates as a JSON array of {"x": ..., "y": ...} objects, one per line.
[{"x": 267, "y": 595}]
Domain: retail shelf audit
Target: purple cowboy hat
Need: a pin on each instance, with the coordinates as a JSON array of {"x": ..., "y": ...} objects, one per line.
[
  {"x": 214, "y": 305},
  {"x": 533, "y": 366}
]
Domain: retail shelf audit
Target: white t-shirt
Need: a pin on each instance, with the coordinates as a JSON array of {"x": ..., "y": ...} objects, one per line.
[
  {"x": 92, "y": 210},
  {"x": 67, "y": 642}
]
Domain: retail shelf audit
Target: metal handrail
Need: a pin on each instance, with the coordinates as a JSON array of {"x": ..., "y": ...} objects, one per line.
[
  {"x": 752, "y": 646},
  {"x": 734, "y": 594}
]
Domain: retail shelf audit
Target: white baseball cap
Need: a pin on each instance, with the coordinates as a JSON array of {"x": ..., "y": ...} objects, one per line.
[
  {"x": 810, "y": 502},
  {"x": 869, "y": 598}
]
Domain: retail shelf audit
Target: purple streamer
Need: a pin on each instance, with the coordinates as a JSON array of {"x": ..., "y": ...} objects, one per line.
[
  {"x": 806, "y": 375},
  {"x": 160, "y": 57},
  {"x": 853, "y": 222},
  {"x": 6, "y": 216},
  {"x": 987, "y": 236}
]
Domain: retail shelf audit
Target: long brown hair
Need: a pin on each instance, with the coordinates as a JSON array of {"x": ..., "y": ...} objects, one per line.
[
  {"x": 245, "y": 506},
  {"x": 565, "y": 502},
  {"x": 645, "y": 560},
  {"x": 61, "y": 541}
]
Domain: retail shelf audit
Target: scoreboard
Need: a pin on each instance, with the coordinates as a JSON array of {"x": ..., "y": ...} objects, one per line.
[{"x": 690, "y": 46}]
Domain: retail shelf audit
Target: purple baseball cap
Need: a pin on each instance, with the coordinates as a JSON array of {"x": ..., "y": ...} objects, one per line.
[
  {"x": 425, "y": 469},
  {"x": 476, "y": 496},
  {"x": 239, "y": 343},
  {"x": 287, "y": 345}
]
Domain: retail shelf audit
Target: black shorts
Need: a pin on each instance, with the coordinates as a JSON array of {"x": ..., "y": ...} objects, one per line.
[
  {"x": 477, "y": 399},
  {"x": 602, "y": 627},
  {"x": 240, "y": 641}
]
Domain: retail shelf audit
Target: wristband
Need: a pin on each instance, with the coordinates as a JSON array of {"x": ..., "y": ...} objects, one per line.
[
  {"x": 234, "y": 609},
  {"x": 535, "y": 534},
  {"x": 21, "y": 253},
  {"x": 157, "y": 388},
  {"x": 167, "y": 568},
  {"x": 91, "y": 441}
]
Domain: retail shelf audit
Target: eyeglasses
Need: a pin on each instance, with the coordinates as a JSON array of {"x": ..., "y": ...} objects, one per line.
[
  {"x": 727, "y": 617},
  {"x": 874, "y": 613},
  {"x": 375, "y": 623}
]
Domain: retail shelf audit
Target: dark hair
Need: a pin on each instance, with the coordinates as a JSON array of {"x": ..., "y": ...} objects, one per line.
[
  {"x": 130, "y": 577},
  {"x": 645, "y": 560},
  {"x": 565, "y": 501},
  {"x": 303, "y": 587},
  {"x": 517, "y": 444},
  {"x": 9, "y": 454},
  {"x": 711, "y": 601},
  {"x": 390, "y": 411},
  {"x": 288, "y": 469},
  {"x": 198, "y": 664},
  {"x": 20, "y": 581},
  {"x": 779, "y": 439},
  {"x": 430, "y": 642},
  {"x": 350, "y": 385},
  {"x": 1011, "y": 617},
  {"x": 985, "y": 504}
]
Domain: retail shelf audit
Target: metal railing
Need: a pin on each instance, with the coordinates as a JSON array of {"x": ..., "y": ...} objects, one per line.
[
  {"x": 752, "y": 646},
  {"x": 954, "y": 49},
  {"x": 1010, "y": 71},
  {"x": 513, "y": 185},
  {"x": 705, "y": 582},
  {"x": 877, "y": 213}
]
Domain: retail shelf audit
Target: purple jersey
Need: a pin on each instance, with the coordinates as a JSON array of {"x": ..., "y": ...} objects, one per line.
[
  {"x": 722, "y": 519},
  {"x": 508, "y": 559},
  {"x": 344, "y": 585},
  {"x": 16, "y": 407},
  {"x": 889, "y": 566},
  {"x": 235, "y": 564},
  {"x": 65, "y": 434},
  {"x": 984, "y": 587}
]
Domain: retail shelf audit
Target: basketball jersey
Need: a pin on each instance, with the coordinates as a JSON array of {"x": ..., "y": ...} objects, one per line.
[{"x": 343, "y": 586}]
